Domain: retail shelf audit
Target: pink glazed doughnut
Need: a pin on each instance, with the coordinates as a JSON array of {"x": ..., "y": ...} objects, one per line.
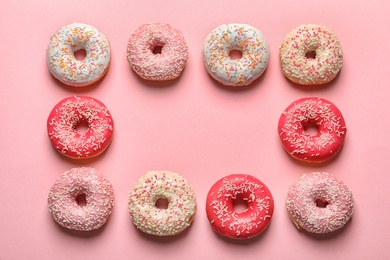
[
  {"x": 64, "y": 194},
  {"x": 220, "y": 206},
  {"x": 311, "y": 55},
  {"x": 68, "y": 114},
  {"x": 317, "y": 112},
  {"x": 157, "y": 51},
  {"x": 319, "y": 203}
]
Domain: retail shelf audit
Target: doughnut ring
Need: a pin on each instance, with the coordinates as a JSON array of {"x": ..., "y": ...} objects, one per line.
[
  {"x": 239, "y": 225},
  {"x": 99, "y": 199},
  {"x": 68, "y": 114},
  {"x": 311, "y": 55},
  {"x": 157, "y": 51},
  {"x": 319, "y": 203},
  {"x": 241, "y": 37},
  {"x": 318, "y": 112},
  {"x": 61, "y": 60},
  {"x": 165, "y": 185}
]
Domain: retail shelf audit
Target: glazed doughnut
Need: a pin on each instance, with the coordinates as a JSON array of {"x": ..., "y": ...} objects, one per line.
[
  {"x": 61, "y": 60},
  {"x": 220, "y": 206},
  {"x": 311, "y": 55},
  {"x": 157, "y": 51},
  {"x": 319, "y": 203},
  {"x": 68, "y": 114},
  {"x": 99, "y": 199},
  {"x": 244, "y": 38},
  {"x": 168, "y": 186},
  {"x": 322, "y": 114}
]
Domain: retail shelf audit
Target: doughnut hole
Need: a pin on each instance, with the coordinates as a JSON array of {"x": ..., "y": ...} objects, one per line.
[
  {"x": 157, "y": 49},
  {"x": 235, "y": 54},
  {"x": 310, "y": 55},
  {"x": 81, "y": 200},
  {"x": 311, "y": 129},
  {"x": 80, "y": 54},
  {"x": 240, "y": 205},
  {"x": 82, "y": 127},
  {"x": 162, "y": 203},
  {"x": 321, "y": 203}
]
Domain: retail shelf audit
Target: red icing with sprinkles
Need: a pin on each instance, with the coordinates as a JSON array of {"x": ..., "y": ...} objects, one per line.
[
  {"x": 61, "y": 60},
  {"x": 302, "y": 203},
  {"x": 311, "y": 55},
  {"x": 148, "y": 63},
  {"x": 322, "y": 114},
  {"x": 99, "y": 198},
  {"x": 68, "y": 114},
  {"x": 244, "y": 38},
  {"x": 220, "y": 206}
]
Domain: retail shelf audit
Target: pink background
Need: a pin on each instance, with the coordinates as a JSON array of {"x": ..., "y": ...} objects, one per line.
[{"x": 192, "y": 126}]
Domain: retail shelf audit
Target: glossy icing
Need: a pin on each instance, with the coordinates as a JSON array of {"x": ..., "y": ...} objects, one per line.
[
  {"x": 61, "y": 60},
  {"x": 235, "y": 72}
]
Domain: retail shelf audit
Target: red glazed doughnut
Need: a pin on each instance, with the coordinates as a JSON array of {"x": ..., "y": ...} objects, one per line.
[
  {"x": 319, "y": 203},
  {"x": 322, "y": 114},
  {"x": 220, "y": 206},
  {"x": 68, "y": 114},
  {"x": 99, "y": 199}
]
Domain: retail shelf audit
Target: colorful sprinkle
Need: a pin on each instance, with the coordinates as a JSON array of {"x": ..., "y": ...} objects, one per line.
[
  {"x": 244, "y": 38},
  {"x": 99, "y": 196},
  {"x": 61, "y": 60}
]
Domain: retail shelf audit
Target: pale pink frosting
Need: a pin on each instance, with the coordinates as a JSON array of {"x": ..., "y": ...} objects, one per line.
[
  {"x": 67, "y": 114},
  {"x": 303, "y": 210},
  {"x": 321, "y": 113},
  {"x": 166, "y": 65},
  {"x": 239, "y": 225},
  {"x": 99, "y": 196}
]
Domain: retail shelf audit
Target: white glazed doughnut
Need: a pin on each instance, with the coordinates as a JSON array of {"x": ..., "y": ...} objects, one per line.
[
  {"x": 61, "y": 60},
  {"x": 166, "y": 185},
  {"x": 311, "y": 55},
  {"x": 319, "y": 203},
  {"x": 242, "y": 37},
  {"x": 99, "y": 197}
]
